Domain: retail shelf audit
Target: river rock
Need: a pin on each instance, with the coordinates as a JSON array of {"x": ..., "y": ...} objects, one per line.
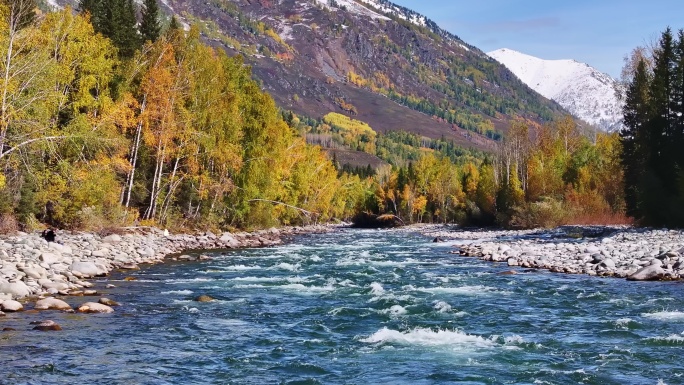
[
  {"x": 129, "y": 266},
  {"x": 112, "y": 239},
  {"x": 17, "y": 289},
  {"x": 94, "y": 307},
  {"x": 108, "y": 302},
  {"x": 47, "y": 325},
  {"x": 48, "y": 285},
  {"x": 204, "y": 298},
  {"x": 51, "y": 304},
  {"x": 62, "y": 249},
  {"x": 50, "y": 258},
  {"x": 11, "y": 306},
  {"x": 648, "y": 273},
  {"x": 228, "y": 240},
  {"x": 608, "y": 264},
  {"x": 85, "y": 269}
]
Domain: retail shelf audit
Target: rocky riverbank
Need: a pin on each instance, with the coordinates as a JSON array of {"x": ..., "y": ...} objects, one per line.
[
  {"x": 634, "y": 254},
  {"x": 34, "y": 272}
]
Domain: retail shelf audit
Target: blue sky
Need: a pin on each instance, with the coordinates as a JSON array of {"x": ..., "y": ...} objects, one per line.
[{"x": 598, "y": 32}]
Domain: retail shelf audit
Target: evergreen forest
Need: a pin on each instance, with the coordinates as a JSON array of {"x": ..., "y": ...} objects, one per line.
[{"x": 653, "y": 137}]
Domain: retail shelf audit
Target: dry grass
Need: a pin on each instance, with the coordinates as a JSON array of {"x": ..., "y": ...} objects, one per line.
[{"x": 8, "y": 224}]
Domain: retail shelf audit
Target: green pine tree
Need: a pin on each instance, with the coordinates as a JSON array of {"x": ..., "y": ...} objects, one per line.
[
  {"x": 150, "y": 28},
  {"x": 175, "y": 24},
  {"x": 634, "y": 138},
  {"x": 124, "y": 32}
]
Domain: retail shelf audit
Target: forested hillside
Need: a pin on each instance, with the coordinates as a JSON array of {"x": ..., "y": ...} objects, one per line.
[
  {"x": 371, "y": 60},
  {"x": 172, "y": 132},
  {"x": 107, "y": 122}
]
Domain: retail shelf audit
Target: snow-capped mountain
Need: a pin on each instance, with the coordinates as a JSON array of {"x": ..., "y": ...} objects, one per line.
[{"x": 584, "y": 91}]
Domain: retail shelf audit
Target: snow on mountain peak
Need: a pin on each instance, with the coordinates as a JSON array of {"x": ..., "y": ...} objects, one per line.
[
  {"x": 352, "y": 7},
  {"x": 581, "y": 89}
]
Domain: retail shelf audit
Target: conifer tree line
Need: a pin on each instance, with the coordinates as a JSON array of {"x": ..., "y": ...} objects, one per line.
[
  {"x": 117, "y": 20},
  {"x": 653, "y": 137}
]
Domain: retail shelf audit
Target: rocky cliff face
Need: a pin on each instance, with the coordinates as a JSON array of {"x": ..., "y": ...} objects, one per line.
[{"x": 381, "y": 63}]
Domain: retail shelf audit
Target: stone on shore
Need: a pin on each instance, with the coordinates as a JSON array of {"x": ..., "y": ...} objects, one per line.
[
  {"x": 11, "y": 306},
  {"x": 112, "y": 239},
  {"x": 17, "y": 289},
  {"x": 50, "y": 258},
  {"x": 85, "y": 269},
  {"x": 47, "y": 325},
  {"x": 51, "y": 304},
  {"x": 648, "y": 273},
  {"x": 94, "y": 307}
]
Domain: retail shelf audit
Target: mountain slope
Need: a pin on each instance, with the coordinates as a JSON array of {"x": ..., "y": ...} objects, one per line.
[
  {"x": 379, "y": 62},
  {"x": 583, "y": 90}
]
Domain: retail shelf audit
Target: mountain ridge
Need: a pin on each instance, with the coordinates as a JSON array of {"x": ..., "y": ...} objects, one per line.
[
  {"x": 584, "y": 91},
  {"x": 371, "y": 59}
]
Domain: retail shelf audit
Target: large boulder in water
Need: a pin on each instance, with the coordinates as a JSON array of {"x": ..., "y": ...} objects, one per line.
[
  {"x": 11, "y": 306},
  {"x": 94, "y": 307},
  {"x": 648, "y": 273},
  {"x": 371, "y": 221},
  {"x": 47, "y": 325}
]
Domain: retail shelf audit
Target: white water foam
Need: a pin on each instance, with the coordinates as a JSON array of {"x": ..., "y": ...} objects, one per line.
[
  {"x": 427, "y": 337},
  {"x": 395, "y": 310},
  {"x": 465, "y": 290},
  {"x": 288, "y": 266},
  {"x": 623, "y": 322},
  {"x": 256, "y": 279},
  {"x": 181, "y": 292},
  {"x": 241, "y": 268},
  {"x": 665, "y": 315},
  {"x": 442, "y": 307},
  {"x": 298, "y": 287},
  {"x": 377, "y": 289},
  {"x": 674, "y": 338},
  {"x": 188, "y": 280}
]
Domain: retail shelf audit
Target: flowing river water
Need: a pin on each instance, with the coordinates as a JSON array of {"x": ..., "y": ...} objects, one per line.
[{"x": 357, "y": 307}]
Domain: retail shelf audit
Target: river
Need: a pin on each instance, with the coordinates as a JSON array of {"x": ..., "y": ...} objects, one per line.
[{"x": 356, "y": 307}]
